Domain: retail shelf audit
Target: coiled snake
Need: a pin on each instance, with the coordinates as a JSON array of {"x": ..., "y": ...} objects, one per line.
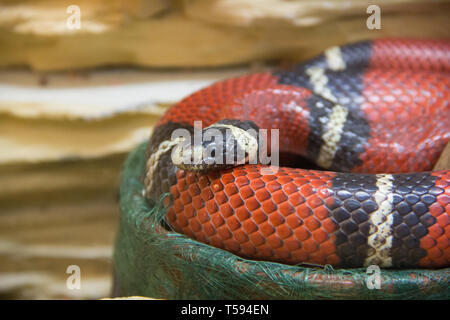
[{"x": 370, "y": 113}]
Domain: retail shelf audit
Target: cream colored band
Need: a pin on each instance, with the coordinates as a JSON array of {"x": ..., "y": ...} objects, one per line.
[{"x": 380, "y": 232}]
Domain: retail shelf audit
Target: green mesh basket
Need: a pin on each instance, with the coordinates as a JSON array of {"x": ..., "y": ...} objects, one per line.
[{"x": 154, "y": 262}]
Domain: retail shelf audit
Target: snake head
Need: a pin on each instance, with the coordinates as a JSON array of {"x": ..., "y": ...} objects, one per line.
[{"x": 225, "y": 144}]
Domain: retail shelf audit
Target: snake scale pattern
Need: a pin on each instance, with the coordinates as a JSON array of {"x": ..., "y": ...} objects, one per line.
[{"x": 374, "y": 115}]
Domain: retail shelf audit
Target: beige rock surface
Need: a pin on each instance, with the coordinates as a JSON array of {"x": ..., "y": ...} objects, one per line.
[
  {"x": 52, "y": 216},
  {"x": 444, "y": 160},
  {"x": 272, "y": 13},
  {"x": 90, "y": 116},
  {"x": 198, "y": 33}
]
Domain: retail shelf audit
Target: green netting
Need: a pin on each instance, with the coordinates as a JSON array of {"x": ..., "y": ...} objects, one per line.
[{"x": 151, "y": 261}]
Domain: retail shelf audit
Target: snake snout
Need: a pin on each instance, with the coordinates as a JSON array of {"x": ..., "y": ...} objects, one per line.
[{"x": 221, "y": 146}]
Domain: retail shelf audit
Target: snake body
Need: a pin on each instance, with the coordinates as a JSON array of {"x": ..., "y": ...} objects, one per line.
[{"x": 375, "y": 115}]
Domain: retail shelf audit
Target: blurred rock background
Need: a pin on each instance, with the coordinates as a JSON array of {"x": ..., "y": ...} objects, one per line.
[{"x": 73, "y": 102}]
